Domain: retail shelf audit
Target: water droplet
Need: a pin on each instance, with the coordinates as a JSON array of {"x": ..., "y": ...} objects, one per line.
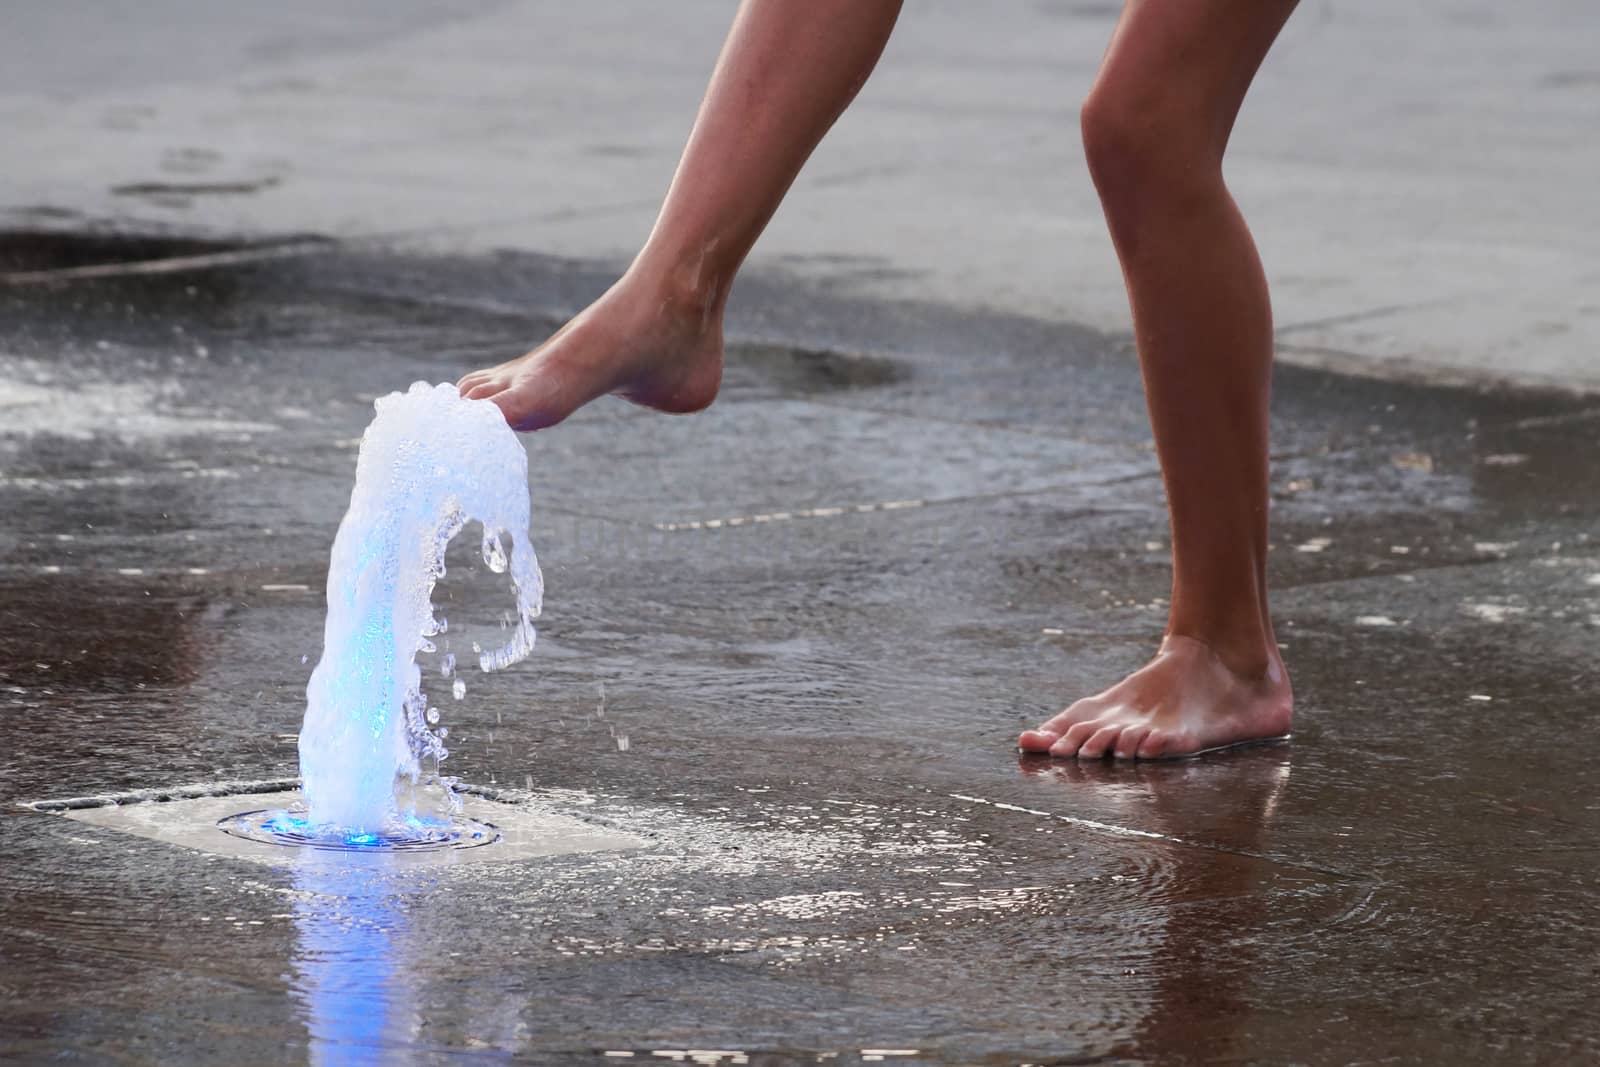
[
  {"x": 459, "y": 689},
  {"x": 447, "y": 668},
  {"x": 494, "y": 553},
  {"x": 433, "y": 716},
  {"x": 444, "y": 732}
]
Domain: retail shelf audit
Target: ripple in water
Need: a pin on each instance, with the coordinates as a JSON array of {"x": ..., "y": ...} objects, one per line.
[{"x": 412, "y": 833}]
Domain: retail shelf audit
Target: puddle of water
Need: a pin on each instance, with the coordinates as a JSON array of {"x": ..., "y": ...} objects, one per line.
[
  {"x": 235, "y": 825},
  {"x": 43, "y": 398}
]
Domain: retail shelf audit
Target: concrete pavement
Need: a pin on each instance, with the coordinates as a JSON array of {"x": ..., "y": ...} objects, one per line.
[{"x": 819, "y": 613}]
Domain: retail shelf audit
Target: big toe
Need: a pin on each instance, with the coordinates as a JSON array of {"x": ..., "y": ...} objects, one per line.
[
  {"x": 1038, "y": 740},
  {"x": 525, "y": 411}
]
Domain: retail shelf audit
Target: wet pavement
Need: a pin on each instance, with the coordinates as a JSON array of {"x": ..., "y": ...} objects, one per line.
[{"x": 788, "y": 643}]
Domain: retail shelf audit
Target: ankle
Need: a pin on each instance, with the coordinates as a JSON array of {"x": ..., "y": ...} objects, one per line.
[
  {"x": 688, "y": 287},
  {"x": 1251, "y": 657}
]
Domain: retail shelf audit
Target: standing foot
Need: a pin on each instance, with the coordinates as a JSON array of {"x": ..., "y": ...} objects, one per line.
[
  {"x": 657, "y": 348},
  {"x": 1183, "y": 702}
]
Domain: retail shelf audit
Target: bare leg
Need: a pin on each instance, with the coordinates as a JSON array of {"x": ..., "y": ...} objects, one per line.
[
  {"x": 788, "y": 70},
  {"x": 1155, "y": 127}
]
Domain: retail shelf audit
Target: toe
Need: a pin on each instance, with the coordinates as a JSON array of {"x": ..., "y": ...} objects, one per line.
[
  {"x": 1182, "y": 743},
  {"x": 1128, "y": 744},
  {"x": 1038, "y": 740},
  {"x": 1075, "y": 736},
  {"x": 484, "y": 389},
  {"x": 511, "y": 406},
  {"x": 468, "y": 381},
  {"x": 525, "y": 413},
  {"x": 1100, "y": 742},
  {"x": 1055, "y": 728},
  {"x": 1154, "y": 745}
]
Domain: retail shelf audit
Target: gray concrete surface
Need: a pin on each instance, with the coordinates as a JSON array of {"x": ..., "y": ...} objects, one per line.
[
  {"x": 847, "y": 861},
  {"x": 1421, "y": 175}
]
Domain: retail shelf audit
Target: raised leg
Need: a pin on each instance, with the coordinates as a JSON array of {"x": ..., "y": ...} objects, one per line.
[
  {"x": 788, "y": 70},
  {"x": 1155, "y": 127}
]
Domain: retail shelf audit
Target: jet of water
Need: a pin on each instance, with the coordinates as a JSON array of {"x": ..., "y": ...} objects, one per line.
[{"x": 430, "y": 462}]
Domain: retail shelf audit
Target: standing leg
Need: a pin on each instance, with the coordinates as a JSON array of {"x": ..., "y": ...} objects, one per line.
[
  {"x": 1155, "y": 127},
  {"x": 788, "y": 70}
]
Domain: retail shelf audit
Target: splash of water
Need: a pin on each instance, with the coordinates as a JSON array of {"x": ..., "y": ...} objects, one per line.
[{"x": 430, "y": 462}]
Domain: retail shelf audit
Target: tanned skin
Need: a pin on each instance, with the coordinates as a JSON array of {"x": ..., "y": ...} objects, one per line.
[{"x": 1155, "y": 128}]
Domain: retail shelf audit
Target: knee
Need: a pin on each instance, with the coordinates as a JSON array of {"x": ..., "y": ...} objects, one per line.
[{"x": 1147, "y": 148}]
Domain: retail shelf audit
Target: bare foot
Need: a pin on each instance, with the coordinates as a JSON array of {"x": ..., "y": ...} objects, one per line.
[
  {"x": 1183, "y": 702},
  {"x": 661, "y": 350}
]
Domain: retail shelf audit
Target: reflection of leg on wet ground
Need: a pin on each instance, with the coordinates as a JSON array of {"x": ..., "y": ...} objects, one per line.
[{"x": 1205, "y": 875}]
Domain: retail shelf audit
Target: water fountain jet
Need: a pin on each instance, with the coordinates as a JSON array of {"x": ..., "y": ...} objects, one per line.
[{"x": 430, "y": 462}]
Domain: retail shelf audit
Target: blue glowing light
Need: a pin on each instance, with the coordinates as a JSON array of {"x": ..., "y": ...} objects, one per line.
[
  {"x": 287, "y": 824},
  {"x": 361, "y": 839}
]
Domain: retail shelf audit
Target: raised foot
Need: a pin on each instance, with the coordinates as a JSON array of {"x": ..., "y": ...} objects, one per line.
[
  {"x": 655, "y": 349},
  {"x": 1183, "y": 702}
]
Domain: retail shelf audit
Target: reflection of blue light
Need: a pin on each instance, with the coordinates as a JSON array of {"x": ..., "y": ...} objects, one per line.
[
  {"x": 357, "y": 1002},
  {"x": 361, "y": 839},
  {"x": 287, "y": 824}
]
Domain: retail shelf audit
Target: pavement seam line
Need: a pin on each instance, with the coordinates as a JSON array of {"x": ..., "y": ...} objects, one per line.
[
  {"x": 1382, "y": 311},
  {"x": 893, "y": 505},
  {"x": 785, "y": 516},
  {"x": 169, "y": 264},
  {"x": 1130, "y": 831}
]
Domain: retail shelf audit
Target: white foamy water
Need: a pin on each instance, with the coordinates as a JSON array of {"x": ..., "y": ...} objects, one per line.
[{"x": 430, "y": 462}]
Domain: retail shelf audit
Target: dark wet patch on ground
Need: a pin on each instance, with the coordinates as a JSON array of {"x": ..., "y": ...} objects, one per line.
[
  {"x": 44, "y": 250},
  {"x": 193, "y": 188},
  {"x": 40, "y": 258},
  {"x": 818, "y": 613},
  {"x": 793, "y": 370}
]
